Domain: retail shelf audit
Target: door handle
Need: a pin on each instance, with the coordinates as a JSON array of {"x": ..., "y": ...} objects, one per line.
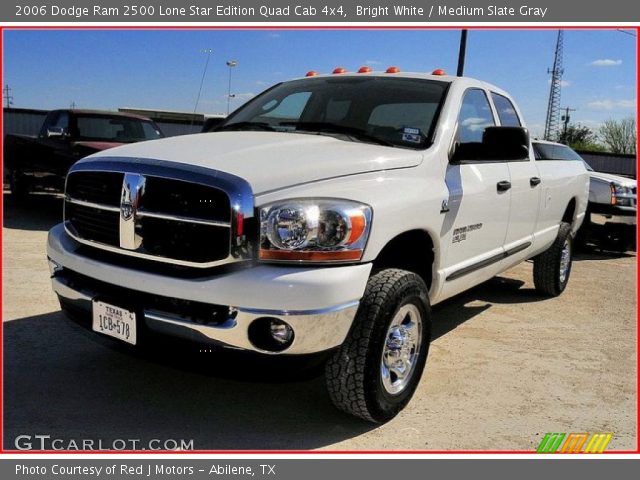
[
  {"x": 503, "y": 186},
  {"x": 534, "y": 181}
]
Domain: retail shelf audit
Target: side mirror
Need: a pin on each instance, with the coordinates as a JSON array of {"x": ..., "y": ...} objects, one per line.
[
  {"x": 55, "y": 132},
  {"x": 506, "y": 143},
  {"x": 498, "y": 144}
]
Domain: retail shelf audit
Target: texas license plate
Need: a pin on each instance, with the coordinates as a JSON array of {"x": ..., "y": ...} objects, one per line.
[{"x": 114, "y": 321}]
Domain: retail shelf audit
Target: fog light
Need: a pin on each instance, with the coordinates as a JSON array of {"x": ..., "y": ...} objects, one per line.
[{"x": 271, "y": 334}]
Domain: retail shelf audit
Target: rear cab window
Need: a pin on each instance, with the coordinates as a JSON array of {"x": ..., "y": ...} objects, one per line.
[{"x": 506, "y": 111}]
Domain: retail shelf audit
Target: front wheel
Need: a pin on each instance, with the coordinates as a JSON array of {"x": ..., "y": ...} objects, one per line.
[
  {"x": 551, "y": 269},
  {"x": 375, "y": 372}
]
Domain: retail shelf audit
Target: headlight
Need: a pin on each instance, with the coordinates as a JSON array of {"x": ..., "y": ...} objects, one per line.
[
  {"x": 309, "y": 230},
  {"x": 621, "y": 195}
]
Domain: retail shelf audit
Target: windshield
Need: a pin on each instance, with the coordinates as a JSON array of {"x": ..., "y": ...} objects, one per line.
[
  {"x": 399, "y": 112},
  {"x": 115, "y": 129}
]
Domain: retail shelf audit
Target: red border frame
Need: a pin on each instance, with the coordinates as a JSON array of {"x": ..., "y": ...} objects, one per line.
[{"x": 301, "y": 452}]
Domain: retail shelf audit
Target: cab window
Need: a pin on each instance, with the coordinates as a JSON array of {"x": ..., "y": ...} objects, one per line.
[
  {"x": 506, "y": 111},
  {"x": 475, "y": 115}
]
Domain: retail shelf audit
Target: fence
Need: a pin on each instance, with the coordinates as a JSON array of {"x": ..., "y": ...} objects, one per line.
[{"x": 611, "y": 163}]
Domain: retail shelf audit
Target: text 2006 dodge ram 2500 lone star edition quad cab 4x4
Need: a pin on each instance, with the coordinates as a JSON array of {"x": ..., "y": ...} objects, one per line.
[{"x": 325, "y": 215}]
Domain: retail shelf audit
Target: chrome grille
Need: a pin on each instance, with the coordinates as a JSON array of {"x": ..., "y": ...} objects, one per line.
[
  {"x": 96, "y": 187},
  {"x": 162, "y": 219},
  {"x": 93, "y": 223}
]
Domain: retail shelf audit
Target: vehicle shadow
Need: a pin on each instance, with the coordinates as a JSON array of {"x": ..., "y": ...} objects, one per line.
[
  {"x": 457, "y": 310},
  {"x": 595, "y": 253},
  {"x": 35, "y": 212},
  {"x": 58, "y": 382}
]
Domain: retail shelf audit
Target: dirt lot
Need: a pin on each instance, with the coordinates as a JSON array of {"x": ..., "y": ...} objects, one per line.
[{"x": 505, "y": 367}]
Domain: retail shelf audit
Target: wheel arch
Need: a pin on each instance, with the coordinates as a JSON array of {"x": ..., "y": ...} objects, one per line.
[
  {"x": 569, "y": 215},
  {"x": 412, "y": 250}
]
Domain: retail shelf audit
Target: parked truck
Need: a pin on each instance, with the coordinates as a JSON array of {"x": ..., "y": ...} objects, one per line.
[
  {"x": 327, "y": 215},
  {"x": 611, "y": 216},
  {"x": 65, "y": 137}
]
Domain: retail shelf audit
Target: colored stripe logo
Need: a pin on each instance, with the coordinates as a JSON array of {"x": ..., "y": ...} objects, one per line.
[{"x": 574, "y": 443}]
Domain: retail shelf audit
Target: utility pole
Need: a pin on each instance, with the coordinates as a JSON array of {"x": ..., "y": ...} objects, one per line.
[
  {"x": 462, "y": 52},
  {"x": 72, "y": 106},
  {"x": 553, "y": 107},
  {"x": 565, "y": 121},
  {"x": 8, "y": 98},
  {"x": 230, "y": 64}
]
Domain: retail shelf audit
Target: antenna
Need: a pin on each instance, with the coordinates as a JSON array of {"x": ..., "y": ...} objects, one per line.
[
  {"x": 204, "y": 73},
  {"x": 553, "y": 108}
]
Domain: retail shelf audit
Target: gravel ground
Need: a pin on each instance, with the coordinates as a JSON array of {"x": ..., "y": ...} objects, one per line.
[{"x": 505, "y": 366}]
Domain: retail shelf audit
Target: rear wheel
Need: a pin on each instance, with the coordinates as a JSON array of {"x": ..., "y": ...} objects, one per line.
[
  {"x": 551, "y": 269},
  {"x": 374, "y": 374}
]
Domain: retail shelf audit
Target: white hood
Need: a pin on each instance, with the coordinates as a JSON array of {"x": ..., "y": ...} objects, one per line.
[{"x": 271, "y": 160}]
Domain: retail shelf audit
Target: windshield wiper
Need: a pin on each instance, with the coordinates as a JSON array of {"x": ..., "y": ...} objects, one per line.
[
  {"x": 327, "y": 127},
  {"x": 245, "y": 126}
]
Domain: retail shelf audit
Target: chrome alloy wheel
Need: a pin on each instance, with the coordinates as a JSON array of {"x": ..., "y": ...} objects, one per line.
[
  {"x": 565, "y": 261},
  {"x": 401, "y": 349}
]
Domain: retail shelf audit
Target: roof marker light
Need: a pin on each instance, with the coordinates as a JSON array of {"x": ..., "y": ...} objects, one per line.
[
  {"x": 438, "y": 71},
  {"x": 340, "y": 70},
  {"x": 392, "y": 70},
  {"x": 311, "y": 73},
  {"x": 365, "y": 70}
]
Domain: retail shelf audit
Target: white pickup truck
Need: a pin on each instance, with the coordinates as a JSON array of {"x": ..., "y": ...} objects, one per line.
[{"x": 326, "y": 215}]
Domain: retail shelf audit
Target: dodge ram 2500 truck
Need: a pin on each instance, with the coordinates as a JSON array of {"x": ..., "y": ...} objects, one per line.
[
  {"x": 65, "y": 137},
  {"x": 325, "y": 215}
]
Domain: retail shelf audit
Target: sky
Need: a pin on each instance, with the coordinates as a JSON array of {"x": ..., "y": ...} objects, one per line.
[{"x": 162, "y": 69}]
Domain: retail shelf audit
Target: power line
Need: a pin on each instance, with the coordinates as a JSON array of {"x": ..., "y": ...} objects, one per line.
[{"x": 633, "y": 34}]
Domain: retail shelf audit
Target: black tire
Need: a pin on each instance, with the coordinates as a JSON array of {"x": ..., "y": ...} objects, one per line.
[
  {"x": 354, "y": 375},
  {"x": 548, "y": 275},
  {"x": 19, "y": 184}
]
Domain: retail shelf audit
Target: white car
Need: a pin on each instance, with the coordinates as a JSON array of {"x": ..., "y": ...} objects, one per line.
[
  {"x": 612, "y": 211},
  {"x": 325, "y": 215}
]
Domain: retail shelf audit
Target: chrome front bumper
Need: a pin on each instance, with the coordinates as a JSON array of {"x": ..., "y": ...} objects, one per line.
[
  {"x": 315, "y": 330},
  {"x": 323, "y": 301}
]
